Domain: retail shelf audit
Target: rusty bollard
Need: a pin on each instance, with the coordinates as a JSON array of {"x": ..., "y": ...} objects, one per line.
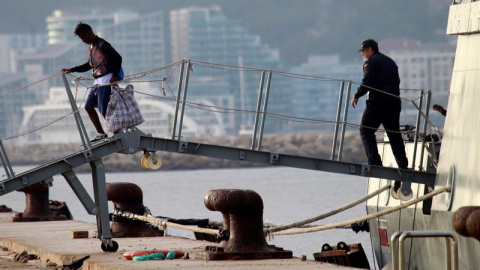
[
  {"x": 129, "y": 197},
  {"x": 242, "y": 212},
  {"x": 37, "y": 206},
  {"x": 466, "y": 221}
]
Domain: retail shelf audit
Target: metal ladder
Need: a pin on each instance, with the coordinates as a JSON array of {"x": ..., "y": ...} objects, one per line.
[{"x": 398, "y": 247}]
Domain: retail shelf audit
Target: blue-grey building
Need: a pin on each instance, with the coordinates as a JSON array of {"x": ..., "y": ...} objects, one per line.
[
  {"x": 317, "y": 98},
  {"x": 205, "y": 34}
]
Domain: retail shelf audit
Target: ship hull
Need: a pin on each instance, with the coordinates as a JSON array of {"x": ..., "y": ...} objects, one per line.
[{"x": 421, "y": 253}]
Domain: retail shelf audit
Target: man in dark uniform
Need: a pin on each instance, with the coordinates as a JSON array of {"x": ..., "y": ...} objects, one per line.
[{"x": 383, "y": 107}]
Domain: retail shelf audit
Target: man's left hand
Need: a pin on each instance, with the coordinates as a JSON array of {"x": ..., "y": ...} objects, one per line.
[{"x": 113, "y": 79}]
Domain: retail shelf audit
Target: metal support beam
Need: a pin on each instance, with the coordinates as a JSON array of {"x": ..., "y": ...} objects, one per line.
[
  {"x": 62, "y": 165},
  {"x": 80, "y": 191},
  {"x": 100, "y": 194}
]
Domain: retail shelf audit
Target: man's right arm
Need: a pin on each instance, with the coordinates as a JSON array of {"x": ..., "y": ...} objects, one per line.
[
  {"x": 366, "y": 81},
  {"x": 80, "y": 68}
]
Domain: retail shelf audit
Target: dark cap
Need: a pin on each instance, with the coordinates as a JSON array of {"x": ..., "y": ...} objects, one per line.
[{"x": 369, "y": 43}]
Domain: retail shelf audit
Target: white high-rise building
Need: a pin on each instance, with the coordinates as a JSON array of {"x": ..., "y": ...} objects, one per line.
[
  {"x": 140, "y": 39},
  {"x": 206, "y": 34},
  {"x": 425, "y": 66}
]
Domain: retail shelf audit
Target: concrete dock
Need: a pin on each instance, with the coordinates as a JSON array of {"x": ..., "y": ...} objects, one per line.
[{"x": 52, "y": 241}]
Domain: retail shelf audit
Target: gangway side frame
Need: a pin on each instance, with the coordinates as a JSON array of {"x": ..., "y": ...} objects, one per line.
[
  {"x": 151, "y": 144},
  {"x": 133, "y": 140},
  {"x": 65, "y": 166}
]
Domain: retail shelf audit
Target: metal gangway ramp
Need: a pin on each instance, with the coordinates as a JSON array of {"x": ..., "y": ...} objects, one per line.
[{"x": 132, "y": 140}]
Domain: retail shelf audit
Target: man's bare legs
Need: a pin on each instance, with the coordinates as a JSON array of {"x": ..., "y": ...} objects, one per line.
[{"x": 95, "y": 120}]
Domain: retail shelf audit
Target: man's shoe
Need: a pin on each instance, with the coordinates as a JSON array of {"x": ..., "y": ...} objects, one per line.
[{"x": 99, "y": 137}]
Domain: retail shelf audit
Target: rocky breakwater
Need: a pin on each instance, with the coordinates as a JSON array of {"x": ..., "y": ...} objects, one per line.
[{"x": 310, "y": 145}]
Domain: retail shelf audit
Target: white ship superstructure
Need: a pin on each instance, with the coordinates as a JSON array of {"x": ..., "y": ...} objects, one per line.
[{"x": 158, "y": 115}]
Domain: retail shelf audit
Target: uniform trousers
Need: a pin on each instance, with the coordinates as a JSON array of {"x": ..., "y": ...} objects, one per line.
[{"x": 384, "y": 112}]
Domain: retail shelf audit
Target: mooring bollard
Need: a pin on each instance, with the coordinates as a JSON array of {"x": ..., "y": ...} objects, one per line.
[
  {"x": 4, "y": 208},
  {"x": 129, "y": 197},
  {"x": 242, "y": 212},
  {"x": 466, "y": 221},
  {"x": 37, "y": 206}
]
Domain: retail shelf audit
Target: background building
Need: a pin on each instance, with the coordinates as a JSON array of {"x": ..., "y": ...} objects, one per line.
[
  {"x": 139, "y": 39},
  {"x": 422, "y": 66},
  {"x": 11, "y": 104},
  {"x": 318, "y": 98},
  {"x": 205, "y": 34},
  {"x": 12, "y": 43},
  {"x": 158, "y": 117}
]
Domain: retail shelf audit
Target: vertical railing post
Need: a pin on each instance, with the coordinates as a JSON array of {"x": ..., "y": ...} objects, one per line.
[
  {"x": 417, "y": 129},
  {"x": 177, "y": 99},
  {"x": 5, "y": 161},
  {"x": 345, "y": 117},
  {"x": 76, "y": 114},
  {"x": 448, "y": 249},
  {"x": 264, "y": 112},
  {"x": 406, "y": 187},
  {"x": 337, "y": 118},
  {"x": 184, "y": 99},
  {"x": 454, "y": 247},
  {"x": 425, "y": 123},
  {"x": 257, "y": 112}
]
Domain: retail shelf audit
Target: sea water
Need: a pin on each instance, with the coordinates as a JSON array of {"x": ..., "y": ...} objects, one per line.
[{"x": 288, "y": 194}]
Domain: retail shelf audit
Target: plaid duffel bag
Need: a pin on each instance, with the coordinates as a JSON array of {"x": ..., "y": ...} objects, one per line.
[{"x": 122, "y": 110}]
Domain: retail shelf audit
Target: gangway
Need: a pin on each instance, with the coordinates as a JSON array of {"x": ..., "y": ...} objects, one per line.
[{"x": 132, "y": 140}]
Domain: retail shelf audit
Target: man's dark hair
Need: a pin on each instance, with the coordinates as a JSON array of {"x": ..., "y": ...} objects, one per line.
[
  {"x": 369, "y": 43},
  {"x": 375, "y": 47},
  {"x": 82, "y": 28}
]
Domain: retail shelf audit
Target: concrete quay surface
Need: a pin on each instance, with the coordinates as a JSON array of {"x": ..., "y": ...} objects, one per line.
[{"x": 52, "y": 240}]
